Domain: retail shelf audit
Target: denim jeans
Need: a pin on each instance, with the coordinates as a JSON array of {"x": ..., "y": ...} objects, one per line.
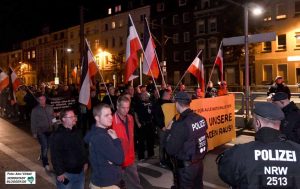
[
  {"x": 44, "y": 140},
  {"x": 76, "y": 181}
]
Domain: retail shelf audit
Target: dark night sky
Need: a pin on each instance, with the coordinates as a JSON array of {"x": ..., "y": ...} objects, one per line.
[{"x": 23, "y": 19}]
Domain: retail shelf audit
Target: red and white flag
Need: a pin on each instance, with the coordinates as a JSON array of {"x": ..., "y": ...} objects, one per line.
[
  {"x": 150, "y": 65},
  {"x": 16, "y": 82},
  {"x": 133, "y": 46},
  {"x": 89, "y": 69},
  {"x": 197, "y": 69},
  {"x": 219, "y": 61},
  {"x": 4, "y": 80}
]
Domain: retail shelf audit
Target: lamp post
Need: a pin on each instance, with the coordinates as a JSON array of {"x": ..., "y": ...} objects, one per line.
[
  {"x": 56, "y": 79},
  {"x": 256, "y": 11}
]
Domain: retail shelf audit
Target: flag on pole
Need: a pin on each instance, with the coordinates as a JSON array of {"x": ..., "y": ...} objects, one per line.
[
  {"x": 197, "y": 69},
  {"x": 219, "y": 61},
  {"x": 4, "y": 80},
  {"x": 16, "y": 82},
  {"x": 133, "y": 46},
  {"x": 89, "y": 69},
  {"x": 150, "y": 68}
]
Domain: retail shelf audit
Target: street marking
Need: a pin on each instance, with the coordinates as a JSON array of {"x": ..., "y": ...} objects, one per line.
[
  {"x": 166, "y": 180},
  {"x": 27, "y": 163}
]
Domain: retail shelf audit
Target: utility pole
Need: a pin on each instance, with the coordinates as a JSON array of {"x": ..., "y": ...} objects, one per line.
[{"x": 81, "y": 35}]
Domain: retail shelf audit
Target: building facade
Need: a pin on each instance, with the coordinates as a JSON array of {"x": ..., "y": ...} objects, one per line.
[{"x": 280, "y": 57}]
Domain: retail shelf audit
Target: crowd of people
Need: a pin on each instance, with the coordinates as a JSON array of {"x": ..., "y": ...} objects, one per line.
[{"x": 124, "y": 125}]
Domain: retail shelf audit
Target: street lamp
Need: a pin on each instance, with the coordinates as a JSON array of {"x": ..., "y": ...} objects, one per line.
[
  {"x": 256, "y": 11},
  {"x": 56, "y": 79}
]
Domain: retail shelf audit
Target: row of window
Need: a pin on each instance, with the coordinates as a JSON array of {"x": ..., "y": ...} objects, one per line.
[
  {"x": 281, "y": 11},
  {"x": 268, "y": 70},
  {"x": 281, "y": 44},
  {"x": 186, "y": 38}
]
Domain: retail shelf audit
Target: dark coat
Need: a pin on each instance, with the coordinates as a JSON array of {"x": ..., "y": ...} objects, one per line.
[
  {"x": 290, "y": 126},
  {"x": 255, "y": 165}
]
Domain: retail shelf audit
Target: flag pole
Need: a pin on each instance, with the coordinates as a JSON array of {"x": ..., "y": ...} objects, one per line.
[
  {"x": 112, "y": 104},
  {"x": 141, "y": 74},
  {"x": 162, "y": 76},
  {"x": 145, "y": 58}
]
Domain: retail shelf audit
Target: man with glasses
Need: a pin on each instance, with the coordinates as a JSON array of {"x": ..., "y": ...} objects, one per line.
[
  {"x": 41, "y": 126},
  {"x": 68, "y": 155},
  {"x": 290, "y": 126}
]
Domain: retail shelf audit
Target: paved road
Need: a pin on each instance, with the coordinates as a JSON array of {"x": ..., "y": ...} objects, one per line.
[{"x": 19, "y": 152}]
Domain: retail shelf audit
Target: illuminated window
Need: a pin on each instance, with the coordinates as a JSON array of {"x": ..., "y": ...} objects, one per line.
[
  {"x": 109, "y": 11},
  {"x": 113, "y": 25},
  {"x": 267, "y": 15},
  {"x": 33, "y": 54},
  {"x": 121, "y": 23},
  {"x": 267, "y": 73},
  {"x": 297, "y": 38},
  {"x": 28, "y": 55},
  {"x": 200, "y": 27},
  {"x": 267, "y": 46},
  {"x": 281, "y": 42},
  {"x": 186, "y": 37},
  {"x": 282, "y": 70},
  {"x": 118, "y": 8},
  {"x": 176, "y": 38},
  {"x": 97, "y": 43},
  {"x": 281, "y": 11}
]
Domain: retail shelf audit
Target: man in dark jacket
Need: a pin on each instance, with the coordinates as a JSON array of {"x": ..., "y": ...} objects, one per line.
[
  {"x": 186, "y": 141},
  {"x": 290, "y": 126},
  {"x": 68, "y": 154},
  {"x": 106, "y": 154},
  {"x": 159, "y": 122},
  {"x": 270, "y": 161},
  {"x": 279, "y": 86}
]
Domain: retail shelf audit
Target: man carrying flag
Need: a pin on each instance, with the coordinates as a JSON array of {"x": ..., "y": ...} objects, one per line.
[
  {"x": 150, "y": 64},
  {"x": 89, "y": 69},
  {"x": 133, "y": 46},
  {"x": 197, "y": 69}
]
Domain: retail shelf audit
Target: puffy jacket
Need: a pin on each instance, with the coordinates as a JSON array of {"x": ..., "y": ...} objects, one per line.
[
  {"x": 127, "y": 140},
  {"x": 290, "y": 126}
]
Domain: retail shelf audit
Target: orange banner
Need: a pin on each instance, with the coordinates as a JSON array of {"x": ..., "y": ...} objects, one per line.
[{"x": 219, "y": 114}]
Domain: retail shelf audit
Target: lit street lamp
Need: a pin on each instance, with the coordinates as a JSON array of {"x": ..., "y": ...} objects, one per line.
[
  {"x": 56, "y": 79},
  {"x": 256, "y": 11}
]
